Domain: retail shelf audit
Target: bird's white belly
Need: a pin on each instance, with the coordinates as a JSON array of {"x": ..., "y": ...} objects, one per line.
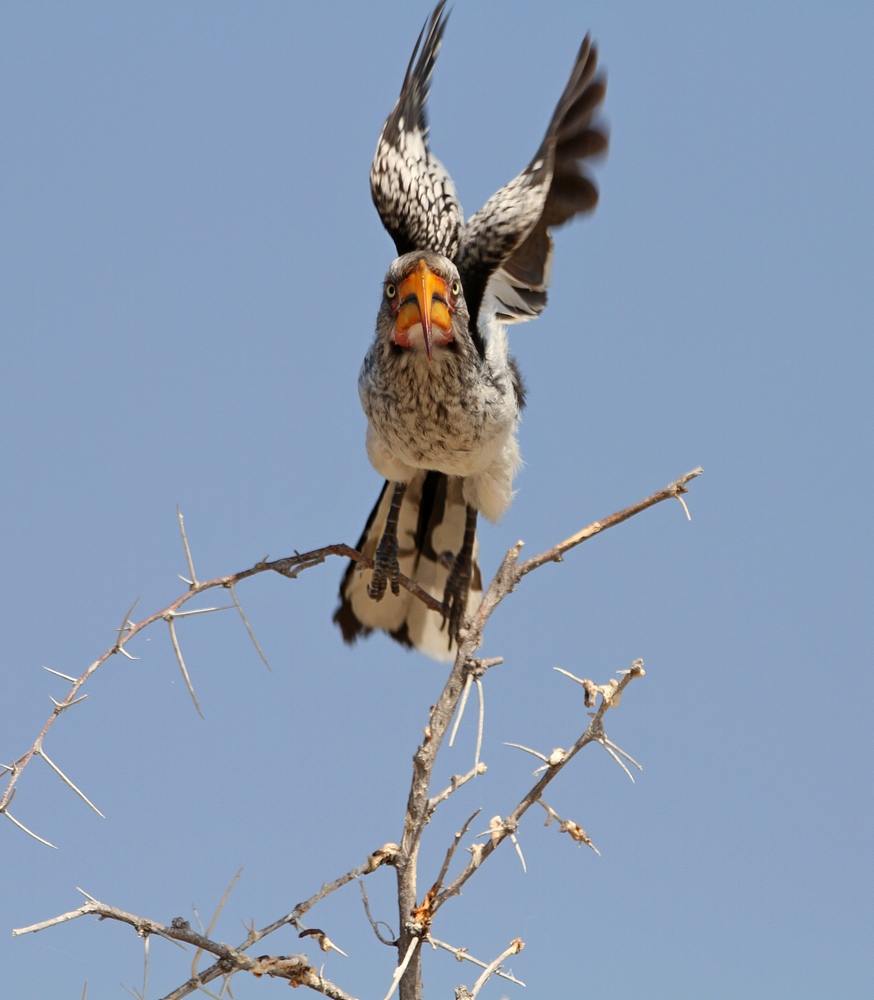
[
  {"x": 450, "y": 415},
  {"x": 485, "y": 457},
  {"x": 453, "y": 448}
]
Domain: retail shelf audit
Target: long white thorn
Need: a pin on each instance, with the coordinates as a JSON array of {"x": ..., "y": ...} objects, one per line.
[
  {"x": 146, "y": 939},
  {"x": 402, "y": 968},
  {"x": 63, "y": 708},
  {"x": 480, "y": 723},
  {"x": 461, "y": 707},
  {"x": 67, "y": 781},
  {"x": 197, "y": 611},
  {"x": 619, "y": 750},
  {"x": 573, "y": 677},
  {"x": 535, "y": 753},
  {"x": 618, "y": 760},
  {"x": 58, "y": 673},
  {"x": 30, "y": 833},
  {"x": 248, "y": 626},
  {"x": 126, "y": 624},
  {"x": 518, "y": 847},
  {"x": 182, "y": 666},
  {"x": 191, "y": 572}
]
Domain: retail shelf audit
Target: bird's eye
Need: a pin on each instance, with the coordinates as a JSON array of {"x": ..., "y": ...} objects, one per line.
[
  {"x": 455, "y": 288},
  {"x": 390, "y": 291}
]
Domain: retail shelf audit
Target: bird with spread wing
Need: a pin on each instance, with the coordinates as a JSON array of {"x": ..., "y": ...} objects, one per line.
[{"x": 441, "y": 393}]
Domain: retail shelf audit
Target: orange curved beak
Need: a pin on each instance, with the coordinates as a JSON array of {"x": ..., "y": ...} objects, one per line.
[{"x": 423, "y": 300}]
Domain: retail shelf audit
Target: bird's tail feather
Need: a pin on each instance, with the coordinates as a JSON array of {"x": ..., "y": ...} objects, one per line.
[{"x": 430, "y": 534}]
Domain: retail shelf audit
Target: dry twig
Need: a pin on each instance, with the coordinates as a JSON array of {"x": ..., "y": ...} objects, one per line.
[{"x": 462, "y": 955}]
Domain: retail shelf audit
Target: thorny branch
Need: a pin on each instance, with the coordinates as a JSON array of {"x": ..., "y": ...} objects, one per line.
[
  {"x": 295, "y": 968},
  {"x": 674, "y": 490},
  {"x": 231, "y": 960},
  {"x": 462, "y": 955},
  {"x": 516, "y": 945},
  {"x": 290, "y": 566},
  {"x": 415, "y": 918},
  {"x": 593, "y": 733},
  {"x": 384, "y": 856}
]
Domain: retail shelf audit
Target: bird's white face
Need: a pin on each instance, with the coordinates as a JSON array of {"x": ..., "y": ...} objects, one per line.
[{"x": 422, "y": 304}]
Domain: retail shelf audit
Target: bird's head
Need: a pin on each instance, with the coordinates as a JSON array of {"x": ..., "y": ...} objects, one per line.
[{"x": 422, "y": 302}]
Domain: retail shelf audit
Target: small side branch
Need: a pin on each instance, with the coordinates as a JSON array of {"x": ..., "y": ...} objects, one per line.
[
  {"x": 290, "y": 567},
  {"x": 455, "y": 782},
  {"x": 462, "y": 955},
  {"x": 453, "y": 847},
  {"x": 385, "y": 855},
  {"x": 392, "y": 941},
  {"x": 295, "y": 968},
  {"x": 504, "y": 828},
  {"x": 568, "y": 826},
  {"x": 673, "y": 490},
  {"x": 516, "y": 945}
]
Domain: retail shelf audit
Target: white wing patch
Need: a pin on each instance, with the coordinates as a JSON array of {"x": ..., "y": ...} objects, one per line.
[{"x": 415, "y": 194}]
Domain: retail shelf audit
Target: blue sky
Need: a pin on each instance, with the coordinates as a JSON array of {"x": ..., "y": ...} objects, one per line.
[{"x": 191, "y": 271}]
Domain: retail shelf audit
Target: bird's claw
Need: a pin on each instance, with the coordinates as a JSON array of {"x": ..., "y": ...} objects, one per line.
[
  {"x": 455, "y": 595},
  {"x": 385, "y": 569}
]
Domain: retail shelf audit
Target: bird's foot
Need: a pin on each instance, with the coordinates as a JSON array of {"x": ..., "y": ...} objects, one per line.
[
  {"x": 456, "y": 593},
  {"x": 385, "y": 568}
]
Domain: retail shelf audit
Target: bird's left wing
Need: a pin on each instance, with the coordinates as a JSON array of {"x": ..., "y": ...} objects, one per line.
[
  {"x": 412, "y": 191},
  {"x": 506, "y": 247}
]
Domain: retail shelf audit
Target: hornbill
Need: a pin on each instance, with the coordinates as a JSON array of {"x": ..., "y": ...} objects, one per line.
[{"x": 441, "y": 393}]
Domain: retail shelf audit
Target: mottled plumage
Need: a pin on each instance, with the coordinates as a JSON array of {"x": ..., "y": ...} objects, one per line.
[
  {"x": 411, "y": 189},
  {"x": 455, "y": 414},
  {"x": 441, "y": 393}
]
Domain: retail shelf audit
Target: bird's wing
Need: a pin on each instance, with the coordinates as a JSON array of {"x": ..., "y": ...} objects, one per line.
[
  {"x": 412, "y": 191},
  {"x": 430, "y": 532},
  {"x": 506, "y": 247}
]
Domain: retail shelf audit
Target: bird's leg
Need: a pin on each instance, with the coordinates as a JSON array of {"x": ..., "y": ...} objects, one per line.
[
  {"x": 458, "y": 585},
  {"x": 385, "y": 565}
]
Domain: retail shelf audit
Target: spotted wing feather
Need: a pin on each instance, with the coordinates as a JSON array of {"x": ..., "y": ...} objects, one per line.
[
  {"x": 506, "y": 247},
  {"x": 412, "y": 191}
]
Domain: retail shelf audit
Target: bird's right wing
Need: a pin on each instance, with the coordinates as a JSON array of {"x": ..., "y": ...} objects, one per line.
[
  {"x": 412, "y": 191},
  {"x": 506, "y": 247}
]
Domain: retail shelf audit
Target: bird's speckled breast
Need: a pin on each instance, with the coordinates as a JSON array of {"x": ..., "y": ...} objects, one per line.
[{"x": 443, "y": 415}]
